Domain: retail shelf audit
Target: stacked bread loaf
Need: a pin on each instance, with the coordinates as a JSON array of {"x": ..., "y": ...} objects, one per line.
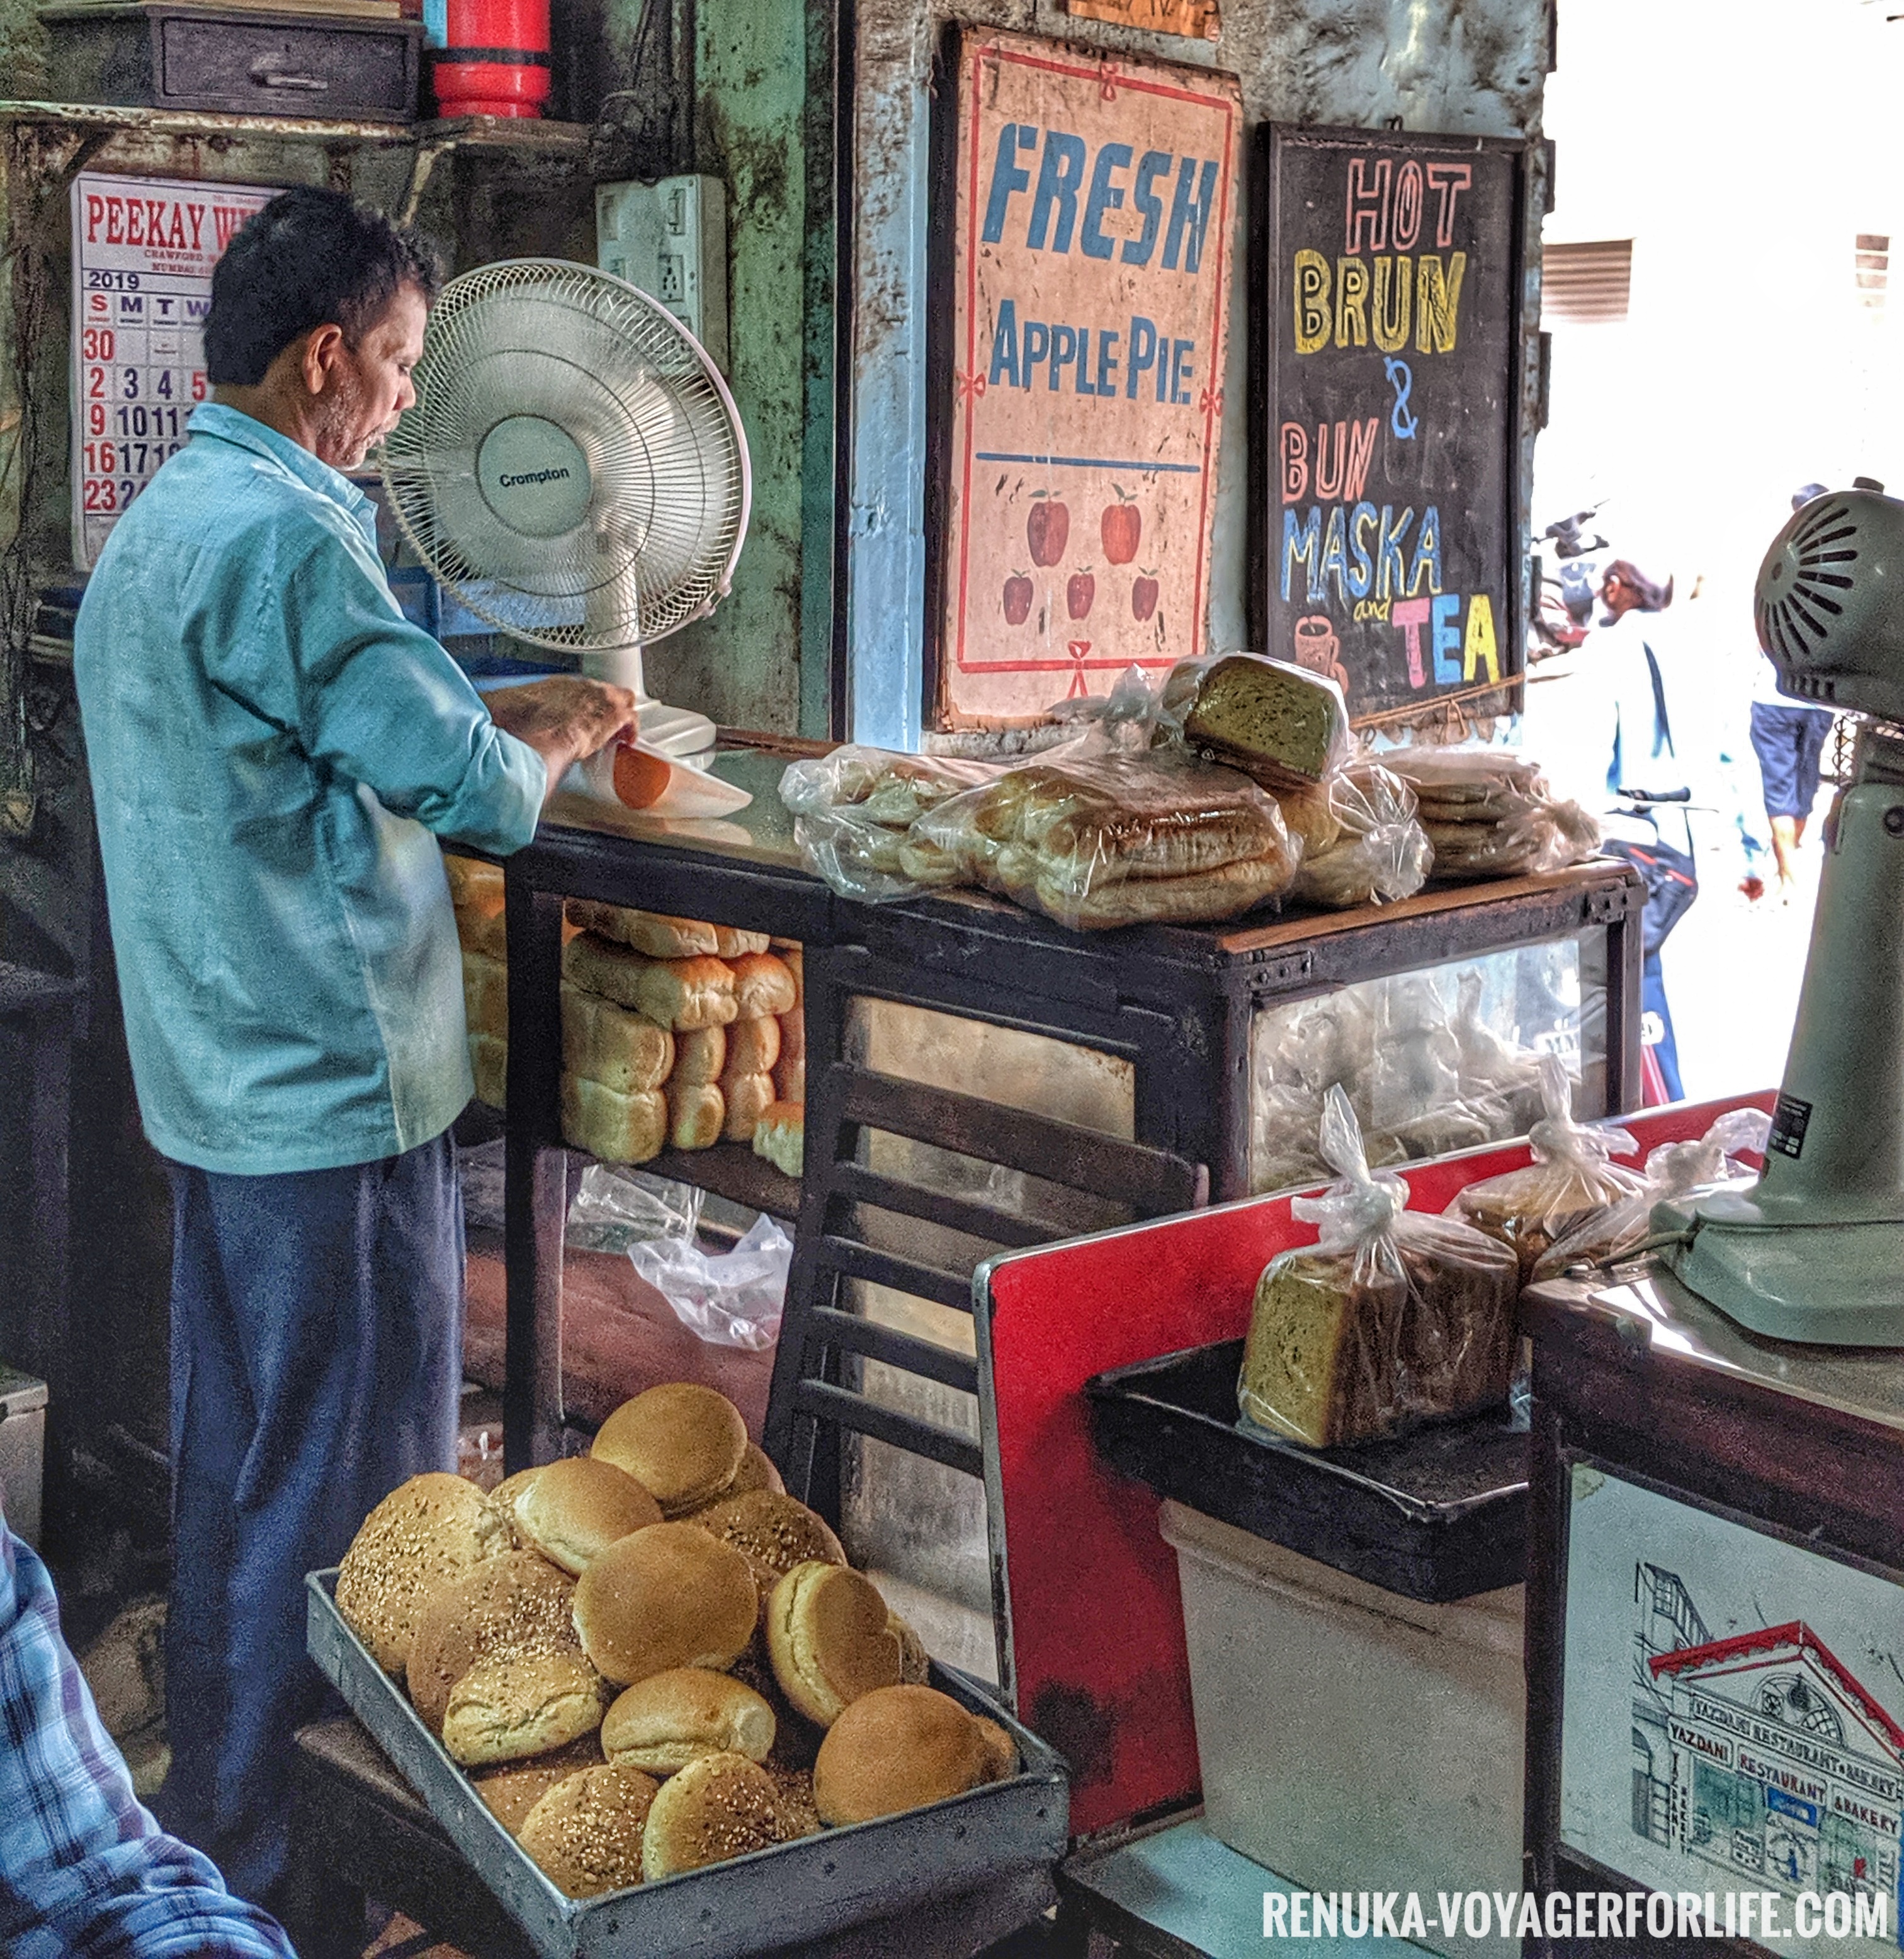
[
  {"x": 476, "y": 891},
  {"x": 652, "y": 1659},
  {"x": 674, "y": 1032}
]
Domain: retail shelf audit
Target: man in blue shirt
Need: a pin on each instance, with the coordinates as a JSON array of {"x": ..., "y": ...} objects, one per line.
[
  {"x": 85, "y": 1873},
  {"x": 273, "y": 751}
]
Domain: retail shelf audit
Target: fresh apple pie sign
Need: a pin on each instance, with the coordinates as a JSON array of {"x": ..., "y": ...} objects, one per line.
[{"x": 1097, "y": 204}]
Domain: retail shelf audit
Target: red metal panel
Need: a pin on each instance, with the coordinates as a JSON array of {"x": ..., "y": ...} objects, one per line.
[{"x": 1096, "y": 1620}]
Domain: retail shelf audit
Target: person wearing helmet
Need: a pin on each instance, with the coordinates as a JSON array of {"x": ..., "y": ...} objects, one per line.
[{"x": 274, "y": 751}]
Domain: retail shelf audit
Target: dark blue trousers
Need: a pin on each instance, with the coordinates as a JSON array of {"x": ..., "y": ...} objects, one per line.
[{"x": 316, "y": 1361}]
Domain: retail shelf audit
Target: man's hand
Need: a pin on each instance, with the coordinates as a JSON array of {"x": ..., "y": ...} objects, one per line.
[{"x": 563, "y": 719}]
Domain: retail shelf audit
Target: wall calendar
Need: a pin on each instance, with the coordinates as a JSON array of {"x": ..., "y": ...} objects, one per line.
[{"x": 144, "y": 249}]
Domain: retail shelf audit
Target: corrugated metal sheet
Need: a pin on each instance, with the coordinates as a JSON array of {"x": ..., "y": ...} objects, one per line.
[{"x": 1586, "y": 284}]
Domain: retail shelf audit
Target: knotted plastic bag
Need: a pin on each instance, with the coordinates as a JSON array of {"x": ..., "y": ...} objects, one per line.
[
  {"x": 1571, "y": 1178},
  {"x": 1392, "y": 1317},
  {"x": 1381, "y": 852},
  {"x": 1674, "y": 1169}
]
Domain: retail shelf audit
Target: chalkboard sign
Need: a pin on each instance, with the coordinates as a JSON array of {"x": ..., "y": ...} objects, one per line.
[{"x": 1385, "y": 400}]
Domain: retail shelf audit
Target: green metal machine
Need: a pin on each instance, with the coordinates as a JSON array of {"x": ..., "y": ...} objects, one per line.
[{"x": 1814, "y": 1251}]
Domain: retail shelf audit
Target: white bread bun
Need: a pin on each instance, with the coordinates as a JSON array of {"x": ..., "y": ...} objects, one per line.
[
  {"x": 572, "y": 1510},
  {"x": 747, "y": 1098},
  {"x": 608, "y": 1043},
  {"x": 697, "y": 1113},
  {"x": 897, "y": 1748},
  {"x": 664, "y": 1722},
  {"x": 780, "y": 1136},
  {"x": 682, "y": 1443},
  {"x": 613, "y": 1127},
  {"x": 514, "y": 1705},
  {"x": 489, "y": 1067},
  {"x": 485, "y": 995},
  {"x": 684, "y": 994},
  {"x": 700, "y": 1056},
  {"x": 653, "y": 934},
  {"x": 484, "y": 932},
  {"x": 586, "y": 1834},
  {"x": 731, "y": 943},
  {"x": 753, "y": 1046},
  {"x": 426, "y": 1533},
  {"x": 763, "y": 984},
  {"x": 668, "y": 1596},
  {"x": 474, "y": 886},
  {"x": 831, "y": 1638},
  {"x": 790, "y": 1083},
  {"x": 793, "y": 1035},
  {"x": 718, "y": 1807}
]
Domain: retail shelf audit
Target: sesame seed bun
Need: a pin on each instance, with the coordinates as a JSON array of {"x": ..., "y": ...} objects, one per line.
[
  {"x": 773, "y": 1531},
  {"x": 718, "y": 1807},
  {"x": 513, "y": 1604},
  {"x": 427, "y": 1532},
  {"x": 510, "y": 1791},
  {"x": 586, "y": 1834},
  {"x": 515, "y": 1705}
]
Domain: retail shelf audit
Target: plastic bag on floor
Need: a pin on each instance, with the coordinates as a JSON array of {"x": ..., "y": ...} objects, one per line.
[
  {"x": 730, "y": 1299},
  {"x": 616, "y": 1209}
]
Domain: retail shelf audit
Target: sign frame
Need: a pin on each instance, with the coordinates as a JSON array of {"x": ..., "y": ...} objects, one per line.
[
  {"x": 963, "y": 160},
  {"x": 1502, "y": 576}
]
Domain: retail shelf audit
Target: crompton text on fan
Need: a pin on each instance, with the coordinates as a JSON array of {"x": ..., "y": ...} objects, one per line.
[
  {"x": 1815, "y": 1251},
  {"x": 573, "y": 469}
]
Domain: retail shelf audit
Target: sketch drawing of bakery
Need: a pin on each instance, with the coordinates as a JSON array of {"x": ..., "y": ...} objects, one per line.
[{"x": 1762, "y": 1753}]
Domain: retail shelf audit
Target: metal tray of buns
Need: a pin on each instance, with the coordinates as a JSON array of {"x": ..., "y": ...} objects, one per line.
[{"x": 759, "y": 1903}]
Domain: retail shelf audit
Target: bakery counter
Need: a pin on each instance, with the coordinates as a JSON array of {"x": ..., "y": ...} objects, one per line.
[{"x": 1189, "y": 1040}]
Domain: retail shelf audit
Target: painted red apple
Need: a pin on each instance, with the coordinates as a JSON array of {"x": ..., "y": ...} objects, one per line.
[
  {"x": 1143, "y": 596},
  {"x": 1018, "y": 596},
  {"x": 1045, "y": 530},
  {"x": 1121, "y": 527},
  {"x": 1079, "y": 593}
]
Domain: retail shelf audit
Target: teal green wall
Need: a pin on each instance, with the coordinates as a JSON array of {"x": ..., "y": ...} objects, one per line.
[{"x": 751, "y": 129}]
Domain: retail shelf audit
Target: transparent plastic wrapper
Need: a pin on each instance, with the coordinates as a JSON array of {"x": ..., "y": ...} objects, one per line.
[
  {"x": 1571, "y": 1178},
  {"x": 730, "y": 1299},
  {"x": 1393, "y": 1317},
  {"x": 1497, "y": 1075},
  {"x": 853, "y": 812},
  {"x": 1490, "y": 813},
  {"x": 1113, "y": 840},
  {"x": 1380, "y": 853},
  {"x": 615, "y": 1207},
  {"x": 1281, "y": 724},
  {"x": 1674, "y": 1169}
]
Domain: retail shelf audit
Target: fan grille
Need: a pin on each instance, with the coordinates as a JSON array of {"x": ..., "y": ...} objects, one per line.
[
  {"x": 667, "y": 496},
  {"x": 1795, "y": 625}
]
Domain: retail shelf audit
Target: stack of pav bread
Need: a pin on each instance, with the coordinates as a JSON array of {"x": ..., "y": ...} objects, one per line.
[
  {"x": 476, "y": 891},
  {"x": 675, "y": 1031},
  {"x": 652, "y": 1659}
]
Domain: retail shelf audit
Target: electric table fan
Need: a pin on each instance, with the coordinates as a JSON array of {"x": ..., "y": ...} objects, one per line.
[
  {"x": 573, "y": 470},
  {"x": 1814, "y": 1250}
]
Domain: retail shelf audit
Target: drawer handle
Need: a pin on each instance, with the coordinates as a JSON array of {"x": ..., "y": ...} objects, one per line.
[{"x": 265, "y": 76}]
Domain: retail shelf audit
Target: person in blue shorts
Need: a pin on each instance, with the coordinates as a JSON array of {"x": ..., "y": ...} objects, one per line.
[{"x": 1788, "y": 738}]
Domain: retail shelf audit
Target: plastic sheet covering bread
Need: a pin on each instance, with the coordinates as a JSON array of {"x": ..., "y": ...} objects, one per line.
[
  {"x": 1380, "y": 852},
  {"x": 1283, "y": 725},
  {"x": 1674, "y": 1169},
  {"x": 1113, "y": 840},
  {"x": 1571, "y": 1178},
  {"x": 853, "y": 812},
  {"x": 1429, "y": 1062},
  {"x": 1490, "y": 813},
  {"x": 1392, "y": 1318}
]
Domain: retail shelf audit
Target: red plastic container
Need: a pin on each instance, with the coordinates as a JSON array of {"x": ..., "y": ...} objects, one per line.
[{"x": 495, "y": 60}]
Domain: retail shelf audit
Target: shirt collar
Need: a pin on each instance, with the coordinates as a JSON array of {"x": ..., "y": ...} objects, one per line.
[{"x": 233, "y": 425}]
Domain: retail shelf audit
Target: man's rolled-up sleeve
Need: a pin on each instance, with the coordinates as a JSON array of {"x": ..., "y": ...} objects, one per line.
[{"x": 379, "y": 701}]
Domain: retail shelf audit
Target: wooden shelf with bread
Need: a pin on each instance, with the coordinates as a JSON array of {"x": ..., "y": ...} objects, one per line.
[{"x": 683, "y": 1042}]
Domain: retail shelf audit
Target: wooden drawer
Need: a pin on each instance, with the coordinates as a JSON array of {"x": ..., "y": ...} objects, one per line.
[{"x": 254, "y": 64}]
